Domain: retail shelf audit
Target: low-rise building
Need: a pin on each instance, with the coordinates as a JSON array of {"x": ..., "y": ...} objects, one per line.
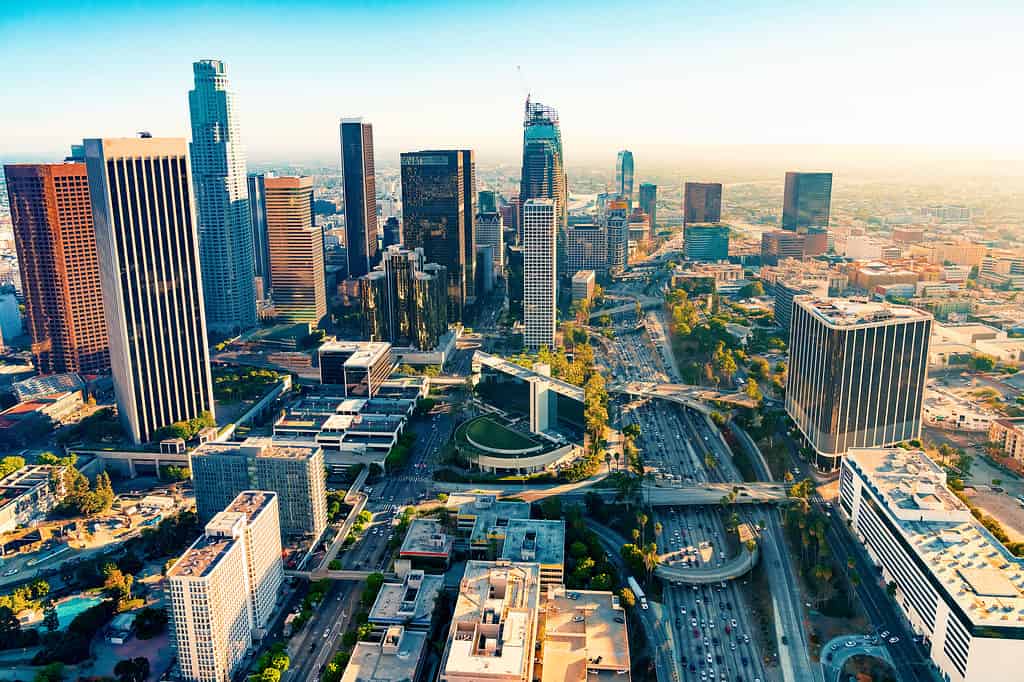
[
  {"x": 961, "y": 590},
  {"x": 360, "y": 366},
  {"x": 398, "y": 657},
  {"x": 585, "y": 637},
  {"x": 1008, "y": 435},
  {"x": 583, "y": 283},
  {"x": 28, "y": 494},
  {"x": 409, "y": 603},
  {"x": 484, "y": 520},
  {"x": 537, "y": 541},
  {"x": 426, "y": 543}
]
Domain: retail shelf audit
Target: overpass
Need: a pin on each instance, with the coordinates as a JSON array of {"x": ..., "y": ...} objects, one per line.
[
  {"x": 703, "y": 575},
  {"x": 646, "y": 303},
  {"x": 352, "y": 576},
  {"x": 696, "y": 397}
]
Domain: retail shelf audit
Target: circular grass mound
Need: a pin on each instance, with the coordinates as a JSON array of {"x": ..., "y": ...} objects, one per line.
[{"x": 487, "y": 435}]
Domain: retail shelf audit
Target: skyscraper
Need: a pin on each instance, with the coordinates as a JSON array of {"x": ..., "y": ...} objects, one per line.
[
  {"x": 405, "y": 300},
  {"x": 807, "y": 202},
  {"x": 360, "y": 187},
  {"x": 60, "y": 271},
  {"x": 649, "y": 203},
  {"x": 487, "y": 201},
  {"x": 392, "y": 233},
  {"x": 856, "y": 374},
  {"x": 434, "y": 215},
  {"x": 702, "y": 202},
  {"x": 296, "y": 249},
  {"x": 702, "y": 242},
  {"x": 258, "y": 214},
  {"x": 779, "y": 245},
  {"x": 151, "y": 280},
  {"x": 616, "y": 220},
  {"x": 469, "y": 218},
  {"x": 516, "y": 285},
  {"x": 490, "y": 231},
  {"x": 586, "y": 248},
  {"x": 624, "y": 176},
  {"x": 222, "y": 201},
  {"x": 543, "y": 174},
  {"x": 539, "y": 273}
]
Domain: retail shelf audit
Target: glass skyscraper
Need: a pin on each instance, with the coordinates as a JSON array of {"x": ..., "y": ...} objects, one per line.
[
  {"x": 405, "y": 300},
  {"x": 702, "y": 202},
  {"x": 649, "y": 203},
  {"x": 360, "y": 188},
  {"x": 543, "y": 175},
  {"x": 807, "y": 202},
  {"x": 222, "y": 201},
  {"x": 624, "y": 176}
]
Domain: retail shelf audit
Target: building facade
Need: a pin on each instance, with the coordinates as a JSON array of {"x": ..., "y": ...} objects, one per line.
[
  {"x": 434, "y": 215},
  {"x": 222, "y": 201},
  {"x": 151, "y": 281},
  {"x": 856, "y": 374},
  {"x": 586, "y": 248},
  {"x": 469, "y": 211},
  {"x": 540, "y": 283},
  {"x": 516, "y": 264},
  {"x": 487, "y": 201},
  {"x": 56, "y": 244},
  {"x": 807, "y": 202},
  {"x": 490, "y": 231},
  {"x": 624, "y": 176},
  {"x": 361, "y": 367},
  {"x": 616, "y": 221},
  {"x": 703, "y": 242},
  {"x": 258, "y": 218},
  {"x": 702, "y": 202},
  {"x": 296, "y": 249},
  {"x": 649, "y": 203},
  {"x": 779, "y": 245},
  {"x": 405, "y": 300},
  {"x": 543, "y": 171},
  {"x": 359, "y": 182}
]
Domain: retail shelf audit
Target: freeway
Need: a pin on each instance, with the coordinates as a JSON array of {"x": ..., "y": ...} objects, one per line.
[
  {"x": 312, "y": 647},
  {"x": 730, "y": 569},
  {"x": 693, "y": 397}
]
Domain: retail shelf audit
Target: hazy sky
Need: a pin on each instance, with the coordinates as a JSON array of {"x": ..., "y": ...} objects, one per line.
[{"x": 649, "y": 76}]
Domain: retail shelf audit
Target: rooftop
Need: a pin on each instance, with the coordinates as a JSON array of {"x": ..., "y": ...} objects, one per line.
[
  {"x": 258, "y": 446},
  {"x": 977, "y": 572},
  {"x": 511, "y": 368},
  {"x": 395, "y": 658},
  {"x": 490, "y": 515},
  {"x": 594, "y": 648},
  {"x": 363, "y": 353},
  {"x": 251, "y": 502},
  {"x": 199, "y": 559},
  {"x": 411, "y": 601},
  {"x": 853, "y": 312},
  {"x": 535, "y": 540},
  {"x": 426, "y": 538}
]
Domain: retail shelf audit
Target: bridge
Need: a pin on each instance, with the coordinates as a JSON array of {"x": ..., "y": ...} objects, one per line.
[
  {"x": 353, "y": 576},
  {"x": 646, "y": 303},
  {"x": 695, "y": 397},
  {"x": 703, "y": 575}
]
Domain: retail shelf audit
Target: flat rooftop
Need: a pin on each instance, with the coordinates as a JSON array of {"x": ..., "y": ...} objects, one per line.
[
  {"x": 490, "y": 514},
  {"x": 199, "y": 559},
  {"x": 426, "y": 538},
  {"x": 971, "y": 566},
  {"x": 363, "y": 353},
  {"x": 853, "y": 312},
  {"x": 512, "y": 369},
  {"x": 495, "y": 620},
  {"x": 251, "y": 503},
  {"x": 396, "y": 658},
  {"x": 535, "y": 540},
  {"x": 583, "y": 640},
  {"x": 412, "y": 600},
  {"x": 258, "y": 446}
]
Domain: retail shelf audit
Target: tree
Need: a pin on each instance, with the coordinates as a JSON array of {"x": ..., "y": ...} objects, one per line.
[
  {"x": 753, "y": 391},
  {"x": 150, "y": 622},
  {"x": 578, "y": 549},
  {"x": 270, "y": 675},
  {"x": 50, "y": 618},
  {"x": 132, "y": 669},
  {"x": 890, "y": 588},
  {"x": 54, "y": 672},
  {"x": 627, "y": 598},
  {"x": 10, "y": 464},
  {"x": 118, "y": 585}
]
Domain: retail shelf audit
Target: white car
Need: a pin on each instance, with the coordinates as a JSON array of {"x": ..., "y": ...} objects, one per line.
[{"x": 8, "y": 573}]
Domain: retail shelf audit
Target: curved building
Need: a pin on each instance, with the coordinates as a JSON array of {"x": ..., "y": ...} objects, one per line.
[{"x": 543, "y": 174}]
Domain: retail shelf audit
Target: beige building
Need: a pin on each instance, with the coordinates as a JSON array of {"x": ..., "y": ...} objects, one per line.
[
  {"x": 585, "y": 638},
  {"x": 396, "y": 658},
  {"x": 583, "y": 283},
  {"x": 1008, "y": 434},
  {"x": 296, "y": 250}
]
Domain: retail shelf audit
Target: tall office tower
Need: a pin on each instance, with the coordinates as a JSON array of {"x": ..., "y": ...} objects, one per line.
[
  {"x": 392, "y": 233},
  {"x": 487, "y": 201},
  {"x": 295, "y": 471},
  {"x": 509, "y": 217},
  {"x": 469, "y": 218},
  {"x": 649, "y": 203},
  {"x": 208, "y": 596},
  {"x": 360, "y": 186},
  {"x": 856, "y": 374},
  {"x": 624, "y": 176},
  {"x": 616, "y": 221},
  {"x": 516, "y": 264},
  {"x": 779, "y": 245},
  {"x": 434, "y": 215},
  {"x": 807, "y": 202},
  {"x": 586, "y": 248},
  {"x": 540, "y": 283},
  {"x": 151, "y": 280},
  {"x": 702, "y": 202},
  {"x": 405, "y": 300},
  {"x": 296, "y": 248},
  {"x": 59, "y": 266},
  {"x": 702, "y": 242},
  {"x": 258, "y": 215},
  {"x": 222, "y": 201},
  {"x": 543, "y": 174},
  {"x": 490, "y": 231},
  {"x": 254, "y": 516}
]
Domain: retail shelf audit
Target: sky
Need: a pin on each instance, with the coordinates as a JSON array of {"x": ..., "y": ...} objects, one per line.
[{"x": 659, "y": 78}]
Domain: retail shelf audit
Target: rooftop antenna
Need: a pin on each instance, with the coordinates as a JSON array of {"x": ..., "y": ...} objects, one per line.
[{"x": 522, "y": 83}]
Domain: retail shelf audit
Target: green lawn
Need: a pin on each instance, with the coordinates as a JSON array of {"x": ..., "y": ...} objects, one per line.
[{"x": 490, "y": 433}]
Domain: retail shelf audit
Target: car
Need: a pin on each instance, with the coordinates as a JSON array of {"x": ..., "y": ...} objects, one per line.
[
  {"x": 8, "y": 573},
  {"x": 850, "y": 643},
  {"x": 327, "y": 633},
  {"x": 884, "y": 634},
  {"x": 893, "y": 640},
  {"x": 732, "y": 622},
  {"x": 709, "y": 659},
  {"x": 620, "y": 619}
]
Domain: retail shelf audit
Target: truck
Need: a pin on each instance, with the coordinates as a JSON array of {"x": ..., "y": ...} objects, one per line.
[{"x": 637, "y": 592}]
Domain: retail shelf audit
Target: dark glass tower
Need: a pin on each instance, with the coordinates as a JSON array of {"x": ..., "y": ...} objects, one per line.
[
  {"x": 469, "y": 217},
  {"x": 258, "y": 211},
  {"x": 702, "y": 202},
  {"x": 360, "y": 187},
  {"x": 649, "y": 203},
  {"x": 543, "y": 175},
  {"x": 487, "y": 202},
  {"x": 405, "y": 301},
  {"x": 434, "y": 215},
  {"x": 624, "y": 176},
  {"x": 807, "y": 202}
]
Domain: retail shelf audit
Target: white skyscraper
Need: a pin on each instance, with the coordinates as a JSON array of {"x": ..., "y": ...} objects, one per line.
[
  {"x": 489, "y": 232},
  {"x": 222, "y": 201},
  {"x": 143, "y": 214},
  {"x": 540, "y": 284},
  {"x": 617, "y": 229}
]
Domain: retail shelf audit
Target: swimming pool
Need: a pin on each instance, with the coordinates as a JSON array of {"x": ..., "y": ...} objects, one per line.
[{"x": 68, "y": 608}]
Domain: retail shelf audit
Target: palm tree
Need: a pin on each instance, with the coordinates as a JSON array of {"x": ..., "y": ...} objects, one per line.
[
  {"x": 641, "y": 520},
  {"x": 650, "y": 556},
  {"x": 658, "y": 528}
]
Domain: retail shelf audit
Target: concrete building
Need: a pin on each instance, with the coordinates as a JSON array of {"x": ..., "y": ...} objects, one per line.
[
  {"x": 53, "y": 233},
  {"x": 779, "y": 245},
  {"x": 961, "y": 590},
  {"x": 537, "y": 541},
  {"x": 494, "y": 626},
  {"x": 649, "y": 203},
  {"x": 583, "y": 283},
  {"x": 426, "y": 544},
  {"x": 702, "y": 202},
  {"x": 410, "y": 603},
  {"x": 157, "y": 334},
  {"x": 360, "y": 366},
  {"x": 585, "y": 637},
  {"x": 398, "y": 657},
  {"x": 295, "y": 471},
  {"x": 359, "y": 182},
  {"x": 1008, "y": 434},
  {"x": 586, "y": 248},
  {"x": 296, "y": 247},
  {"x": 704, "y": 242},
  {"x": 253, "y": 516},
  {"x": 616, "y": 225},
  {"x": 490, "y": 231},
  {"x": 856, "y": 374},
  {"x": 27, "y": 495},
  {"x": 256, "y": 183},
  {"x": 222, "y": 201},
  {"x": 540, "y": 280},
  {"x": 208, "y": 603},
  {"x": 1002, "y": 272}
]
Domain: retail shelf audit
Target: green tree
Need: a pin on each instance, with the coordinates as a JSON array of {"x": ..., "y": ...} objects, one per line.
[
  {"x": 132, "y": 669},
  {"x": 10, "y": 464},
  {"x": 627, "y": 598},
  {"x": 116, "y": 584},
  {"x": 50, "y": 618},
  {"x": 54, "y": 672}
]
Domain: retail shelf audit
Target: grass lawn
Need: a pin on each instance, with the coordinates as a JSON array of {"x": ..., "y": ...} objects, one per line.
[{"x": 490, "y": 433}]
